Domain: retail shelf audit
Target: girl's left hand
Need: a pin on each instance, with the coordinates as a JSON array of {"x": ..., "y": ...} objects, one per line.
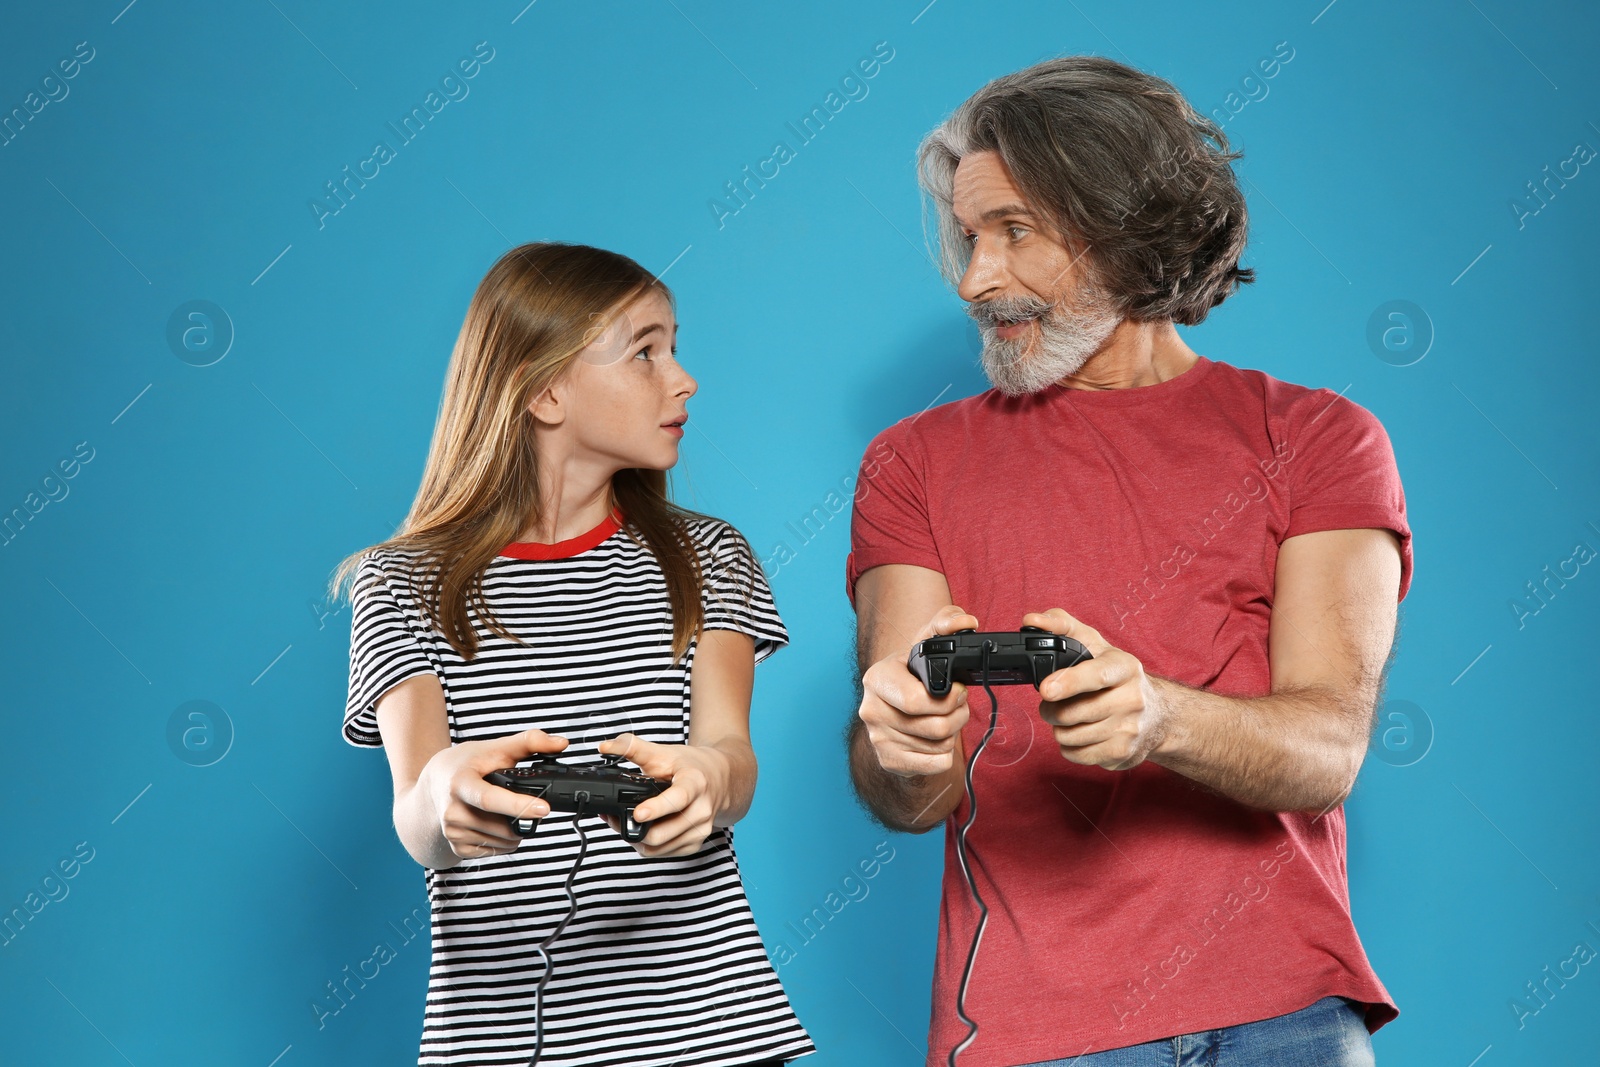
[{"x": 684, "y": 814}]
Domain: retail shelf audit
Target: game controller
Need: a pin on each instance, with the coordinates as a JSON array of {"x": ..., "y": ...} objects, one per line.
[
  {"x": 594, "y": 789},
  {"x": 1026, "y": 657}
]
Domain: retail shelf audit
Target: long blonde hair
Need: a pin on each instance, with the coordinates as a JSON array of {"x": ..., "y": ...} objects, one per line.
[{"x": 529, "y": 319}]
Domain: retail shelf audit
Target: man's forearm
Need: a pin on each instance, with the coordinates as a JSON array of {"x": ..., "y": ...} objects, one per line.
[
  {"x": 912, "y": 805},
  {"x": 1298, "y": 750}
]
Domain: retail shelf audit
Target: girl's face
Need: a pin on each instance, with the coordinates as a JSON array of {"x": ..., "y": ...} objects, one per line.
[{"x": 624, "y": 399}]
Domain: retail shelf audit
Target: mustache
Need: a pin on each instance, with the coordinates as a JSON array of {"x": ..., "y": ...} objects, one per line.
[{"x": 1007, "y": 309}]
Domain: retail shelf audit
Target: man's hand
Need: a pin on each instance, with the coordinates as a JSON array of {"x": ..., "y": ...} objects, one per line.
[
  {"x": 912, "y": 734},
  {"x": 684, "y": 814},
  {"x": 1104, "y": 712}
]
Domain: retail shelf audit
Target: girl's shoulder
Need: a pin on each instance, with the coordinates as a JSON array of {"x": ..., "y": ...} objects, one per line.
[
  {"x": 387, "y": 557},
  {"x": 390, "y": 564},
  {"x": 713, "y": 536}
]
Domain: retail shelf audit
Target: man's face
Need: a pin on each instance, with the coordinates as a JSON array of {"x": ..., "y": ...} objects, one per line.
[{"x": 1038, "y": 309}]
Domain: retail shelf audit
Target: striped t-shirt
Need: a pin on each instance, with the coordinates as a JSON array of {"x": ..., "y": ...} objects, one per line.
[{"x": 661, "y": 964}]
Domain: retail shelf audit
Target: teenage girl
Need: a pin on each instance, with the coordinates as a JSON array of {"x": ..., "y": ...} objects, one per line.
[{"x": 545, "y": 596}]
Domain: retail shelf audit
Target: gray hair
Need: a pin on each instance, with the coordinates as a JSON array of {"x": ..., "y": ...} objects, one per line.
[{"x": 1115, "y": 159}]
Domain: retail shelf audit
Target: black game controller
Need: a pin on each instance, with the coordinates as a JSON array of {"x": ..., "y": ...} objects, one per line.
[
  {"x": 1027, "y": 657},
  {"x": 597, "y": 789}
]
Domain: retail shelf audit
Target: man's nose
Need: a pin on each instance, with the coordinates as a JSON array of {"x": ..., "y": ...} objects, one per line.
[{"x": 985, "y": 275}]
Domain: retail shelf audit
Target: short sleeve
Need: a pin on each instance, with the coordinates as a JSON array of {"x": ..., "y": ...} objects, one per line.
[
  {"x": 1342, "y": 473},
  {"x": 735, "y": 592},
  {"x": 889, "y": 517},
  {"x": 384, "y": 651}
]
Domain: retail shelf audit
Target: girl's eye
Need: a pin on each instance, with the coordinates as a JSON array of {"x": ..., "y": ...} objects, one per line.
[{"x": 645, "y": 351}]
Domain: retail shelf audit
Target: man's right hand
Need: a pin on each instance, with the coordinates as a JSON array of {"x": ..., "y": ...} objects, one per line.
[
  {"x": 472, "y": 812},
  {"x": 911, "y": 733}
]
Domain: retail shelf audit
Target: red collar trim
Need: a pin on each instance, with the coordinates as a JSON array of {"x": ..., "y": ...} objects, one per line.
[{"x": 570, "y": 547}]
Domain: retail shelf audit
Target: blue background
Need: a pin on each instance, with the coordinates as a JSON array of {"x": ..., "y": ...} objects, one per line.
[{"x": 188, "y": 559}]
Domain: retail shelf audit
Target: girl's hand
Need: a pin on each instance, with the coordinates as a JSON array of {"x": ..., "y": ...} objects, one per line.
[
  {"x": 472, "y": 812},
  {"x": 685, "y": 812}
]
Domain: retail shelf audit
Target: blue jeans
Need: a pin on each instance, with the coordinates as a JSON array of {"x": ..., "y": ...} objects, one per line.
[{"x": 1330, "y": 1033}]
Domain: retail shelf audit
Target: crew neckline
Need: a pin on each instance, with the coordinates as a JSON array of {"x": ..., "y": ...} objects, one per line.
[
  {"x": 1137, "y": 393},
  {"x": 572, "y": 546}
]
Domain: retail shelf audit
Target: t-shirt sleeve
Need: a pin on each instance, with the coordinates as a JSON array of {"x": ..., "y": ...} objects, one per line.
[
  {"x": 1342, "y": 473},
  {"x": 889, "y": 518},
  {"x": 384, "y": 651},
  {"x": 736, "y": 594}
]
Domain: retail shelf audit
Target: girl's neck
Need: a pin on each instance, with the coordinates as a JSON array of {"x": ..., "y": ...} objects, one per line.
[{"x": 569, "y": 515}]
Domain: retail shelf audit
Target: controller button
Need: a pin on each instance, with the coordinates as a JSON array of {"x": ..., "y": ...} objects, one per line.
[
  {"x": 935, "y": 645},
  {"x": 1041, "y": 644}
]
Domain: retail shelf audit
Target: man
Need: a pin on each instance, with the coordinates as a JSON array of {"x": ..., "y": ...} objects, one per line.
[{"x": 1160, "y": 838}]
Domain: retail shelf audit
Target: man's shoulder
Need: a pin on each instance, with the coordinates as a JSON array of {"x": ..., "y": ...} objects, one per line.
[
  {"x": 1291, "y": 403},
  {"x": 1275, "y": 394},
  {"x": 936, "y": 419}
]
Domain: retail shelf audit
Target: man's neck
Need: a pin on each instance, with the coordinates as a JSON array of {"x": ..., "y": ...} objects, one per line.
[{"x": 1136, "y": 354}]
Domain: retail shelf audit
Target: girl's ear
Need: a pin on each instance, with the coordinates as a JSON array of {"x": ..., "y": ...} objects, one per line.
[{"x": 549, "y": 405}]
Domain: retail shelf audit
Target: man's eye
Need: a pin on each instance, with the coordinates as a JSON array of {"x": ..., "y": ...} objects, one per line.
[
  {"x": 969, "y": 237},
  {"x": 1014, "y": 230}
]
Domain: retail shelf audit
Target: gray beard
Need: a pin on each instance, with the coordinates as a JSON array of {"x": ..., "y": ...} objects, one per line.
[
  {"x": 1064, "y": 343},
  {"x": 1024, "y": 365}
]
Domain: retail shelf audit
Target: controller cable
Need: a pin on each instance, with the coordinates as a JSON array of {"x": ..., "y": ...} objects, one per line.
[
  {"x": 962, "y": 850},
  {"x": 543, "y": 948}
]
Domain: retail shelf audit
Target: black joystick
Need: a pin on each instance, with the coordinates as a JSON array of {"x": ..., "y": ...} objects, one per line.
[
  {"x": 586, "y": 789},
  {"x": 1026, "y": 657}
]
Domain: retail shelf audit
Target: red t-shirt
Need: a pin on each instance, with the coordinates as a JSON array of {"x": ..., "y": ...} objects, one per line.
[{"x": 1127, "y": 906}]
